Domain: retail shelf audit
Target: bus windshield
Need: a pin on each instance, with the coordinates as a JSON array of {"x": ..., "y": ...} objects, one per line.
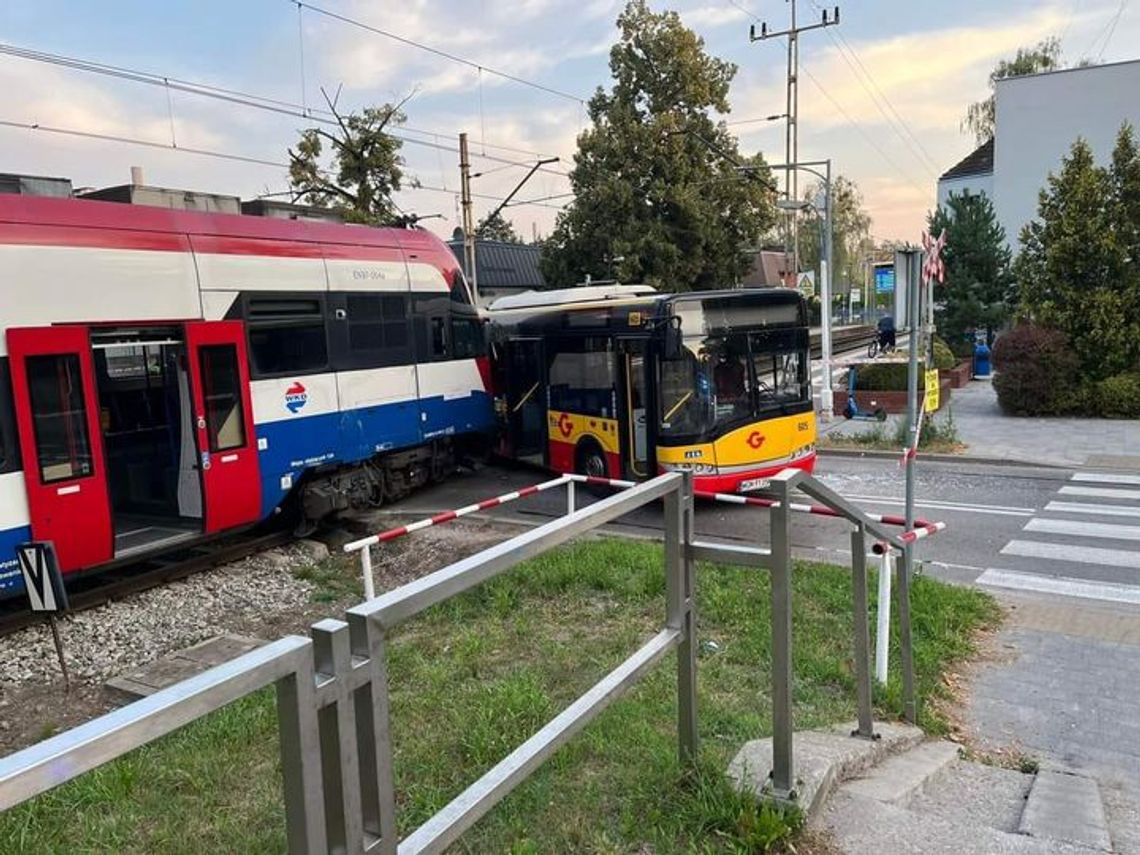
[{"x": 729, "y": 377}]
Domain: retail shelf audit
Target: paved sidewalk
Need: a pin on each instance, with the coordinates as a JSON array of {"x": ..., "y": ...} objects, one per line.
[
  {"x": 1067, "y": 691},
  {"x": 988, "y": 433}
]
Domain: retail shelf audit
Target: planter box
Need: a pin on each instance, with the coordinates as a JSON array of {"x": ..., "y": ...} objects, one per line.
[
  {"x": 959, "y": 375},
  {"x": 892, "y": 402}
]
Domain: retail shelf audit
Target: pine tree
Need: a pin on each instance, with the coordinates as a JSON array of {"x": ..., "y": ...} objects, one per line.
[
  {"x": 659, "y": 194},
  {"x": 1077, "y": 268},
  {"x": 497, "y": 228},
  {"x": 977, "y": 292}
]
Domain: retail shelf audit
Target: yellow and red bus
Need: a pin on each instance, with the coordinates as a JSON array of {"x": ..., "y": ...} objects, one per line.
[{"x": 622, "y": 381}]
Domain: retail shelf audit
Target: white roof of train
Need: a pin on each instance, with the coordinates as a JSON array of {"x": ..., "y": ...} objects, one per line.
[{"x": 564, "y": 296}]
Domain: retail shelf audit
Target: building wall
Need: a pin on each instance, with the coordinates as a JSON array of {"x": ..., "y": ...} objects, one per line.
[
  {"x": 1040, "y": 117},
  {"x": 976, "y": 185}
]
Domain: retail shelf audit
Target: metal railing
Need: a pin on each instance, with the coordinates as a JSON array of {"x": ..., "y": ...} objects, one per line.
[{"x": 333, "y": 697}]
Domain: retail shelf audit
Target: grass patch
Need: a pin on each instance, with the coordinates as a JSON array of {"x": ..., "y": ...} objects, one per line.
[
  {"x": 939, "y": 436},
  {"x": 475, "y": 676}
]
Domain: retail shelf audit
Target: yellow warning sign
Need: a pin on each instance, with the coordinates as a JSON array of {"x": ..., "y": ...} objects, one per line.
[{"x": 931, "y": 399}]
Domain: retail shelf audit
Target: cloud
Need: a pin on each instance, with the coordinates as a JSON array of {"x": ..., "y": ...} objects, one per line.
[{"x": 712, "y": 16}]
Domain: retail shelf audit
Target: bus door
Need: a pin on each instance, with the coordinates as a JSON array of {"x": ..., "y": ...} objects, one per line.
[
  {"x": 57, "y": 413},
  {"x": 526, "y": 398},
  {"x": 223, "y": 423},
  {"x": 635, "y": 408}
]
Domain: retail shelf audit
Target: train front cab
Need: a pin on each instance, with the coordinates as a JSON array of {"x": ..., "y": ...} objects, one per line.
[{"x": 133, "y": 438}]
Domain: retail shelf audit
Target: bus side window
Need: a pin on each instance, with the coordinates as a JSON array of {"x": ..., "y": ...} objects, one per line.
[{"x": 583, "y": 381}]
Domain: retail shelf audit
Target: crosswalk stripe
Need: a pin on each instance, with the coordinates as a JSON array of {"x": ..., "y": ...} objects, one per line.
[
  {"x": 1087, "y": 508},
  {"x": 1105, "y": 478},
  {"x": 1074, "y": 554},
  {"x": 1110, "y": 591},
  {"x": 1100, "y": 492},
  {"x": 1000, "y": 510},
  {"x": 1080, "y": 528}
]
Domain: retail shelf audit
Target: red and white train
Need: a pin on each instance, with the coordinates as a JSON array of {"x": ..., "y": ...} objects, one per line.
[{"x": 166, "y": 375}]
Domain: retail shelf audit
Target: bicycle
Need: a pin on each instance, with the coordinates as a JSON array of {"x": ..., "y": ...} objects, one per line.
[{"x": 876, "y": 347}]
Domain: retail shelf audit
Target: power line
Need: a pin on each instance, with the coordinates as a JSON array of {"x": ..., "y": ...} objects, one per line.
[
  {"x": 220, "y": 155},
  {"x": 864, "y": 76},
  {"x": 441, "y": 53},
  {"x": 242, "y": 99},
  {"x": 870, "y": 140}
]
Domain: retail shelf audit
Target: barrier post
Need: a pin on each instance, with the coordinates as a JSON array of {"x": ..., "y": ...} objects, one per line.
[
  {"x": 679, "y": 612},
  {"x": 570, "y": 497},
  {"x": 783, "y": 779},
  {"x": 883, "y": 628},
  {"x": 366, "y": 572},
  {"x": 861, "y": 620},
  {"x": 301, "y": 760},
  {"x": 906, "y": 654}
]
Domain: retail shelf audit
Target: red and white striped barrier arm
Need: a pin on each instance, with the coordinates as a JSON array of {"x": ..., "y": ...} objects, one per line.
[
  {"x": 448, "y": 516},
  {"x": 921, "y": 530}
]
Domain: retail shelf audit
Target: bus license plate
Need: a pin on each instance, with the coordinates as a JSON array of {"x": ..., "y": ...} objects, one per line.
[{"x": 754, "y": 484}]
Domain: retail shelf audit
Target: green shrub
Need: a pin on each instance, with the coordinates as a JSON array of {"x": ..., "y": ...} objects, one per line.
[
  {"x": 944, "y": 358},
  {"x": 886, "y": 377},
  {"x": 1118, "y": 397},
  {"x": 934, "y": 432},
  {"x": 1037, "y": 371}
]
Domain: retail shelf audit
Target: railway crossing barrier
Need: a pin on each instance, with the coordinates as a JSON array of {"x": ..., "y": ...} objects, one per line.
[{"x": 333, "y": 696}]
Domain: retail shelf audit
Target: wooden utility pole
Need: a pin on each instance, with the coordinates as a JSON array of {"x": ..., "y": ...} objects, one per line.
[
  {"x": 791, "y": 117},
  {"x": 468, "y": 220}
]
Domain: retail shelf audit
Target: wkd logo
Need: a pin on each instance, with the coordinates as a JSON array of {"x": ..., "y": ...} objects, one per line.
[{"x": 296, "y": 397}]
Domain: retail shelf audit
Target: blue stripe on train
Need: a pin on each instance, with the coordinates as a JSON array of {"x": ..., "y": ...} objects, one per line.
[
  {"x": 11, "y": 582},
  {"x": 294, "y": 445}
]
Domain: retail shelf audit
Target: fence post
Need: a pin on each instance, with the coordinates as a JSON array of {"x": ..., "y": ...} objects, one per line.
[
  {"x": 906, "y": 653},
  {"x": 366, "y": 572},
  {"x": 861, "y": 621},
  {"x": 883, "y": 628},
  {"x": 338, "y": 731},
  {"x": 301, "y": 759},
  {"x": 781, "y": 604},
  {"x": 373, "y": 733},
  {"x": 680, "y": 612},
  {"x": 570, "y": 497}
]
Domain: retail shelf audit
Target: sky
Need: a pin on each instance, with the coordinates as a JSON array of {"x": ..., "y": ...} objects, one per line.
[{"x": 882, "y": 95}]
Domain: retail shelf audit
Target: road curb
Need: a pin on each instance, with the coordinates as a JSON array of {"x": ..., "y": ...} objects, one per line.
[{"x": 876, "y": 454}]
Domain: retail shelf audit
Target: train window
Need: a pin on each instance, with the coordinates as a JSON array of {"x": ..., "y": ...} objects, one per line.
[
  {"x": 9, "y": 458},
  {"x": 438, "y": 338},
  {"x": 466, "y": 338},
  {"x": 287, "y": 335},
  {"x": 221, "y": 388},
  {"x": 377, "y": 330},
  {"x": 59, "y": 416}
]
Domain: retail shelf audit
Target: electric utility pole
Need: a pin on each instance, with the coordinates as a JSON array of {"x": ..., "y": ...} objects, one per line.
[
  {"x": 468, "y": 220},
  {"x": 791, "y": 128}
]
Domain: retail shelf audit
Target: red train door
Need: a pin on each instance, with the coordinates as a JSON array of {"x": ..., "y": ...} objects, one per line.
[
  {"x": 223, "y": 420},
  {"x": 57, "y": 413}
]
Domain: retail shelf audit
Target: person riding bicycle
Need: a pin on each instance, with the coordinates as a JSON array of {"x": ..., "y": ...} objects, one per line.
[{"x": 886, "y": 332}]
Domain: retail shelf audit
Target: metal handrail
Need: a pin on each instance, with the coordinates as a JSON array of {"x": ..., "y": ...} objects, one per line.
[{"x": 332, "y": 688}]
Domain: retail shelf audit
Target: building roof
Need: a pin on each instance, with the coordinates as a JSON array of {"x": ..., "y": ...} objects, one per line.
[
  {"x": 504, "y": 265},
  {"x": 978, "y": 162}
]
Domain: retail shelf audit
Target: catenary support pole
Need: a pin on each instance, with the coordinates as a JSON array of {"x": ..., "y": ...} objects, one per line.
[{"x": 468, "y": 219}]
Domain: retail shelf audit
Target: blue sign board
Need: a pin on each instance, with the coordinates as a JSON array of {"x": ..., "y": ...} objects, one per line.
[{"x": 884, "y": 279}]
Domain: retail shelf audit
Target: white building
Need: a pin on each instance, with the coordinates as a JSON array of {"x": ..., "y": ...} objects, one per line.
[{"x": 1038, "y": 118}]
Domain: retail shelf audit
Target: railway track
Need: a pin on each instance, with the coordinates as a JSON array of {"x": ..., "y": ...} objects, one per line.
[{"x": 87, "y": 592}]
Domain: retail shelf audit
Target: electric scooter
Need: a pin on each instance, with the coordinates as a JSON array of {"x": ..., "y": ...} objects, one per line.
[{"x": 852, "y": 411}]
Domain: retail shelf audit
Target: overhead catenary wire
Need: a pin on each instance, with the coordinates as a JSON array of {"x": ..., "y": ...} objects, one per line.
[
  {"x": 246, "y": 99},
  {"x": 220, "y": 155},
  {"x": 438, "y": 52}
]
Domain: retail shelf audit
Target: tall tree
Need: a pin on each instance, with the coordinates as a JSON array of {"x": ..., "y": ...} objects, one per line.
[
  {"x": 363, "y": 171},
  {"x": 850, "y": 228},
  {"x": 498, "y": 228},
  {"x": 978, "y": 290},
  {"x": 659, "y": 193},
  {"x": 1077, "y": 269},
  {"x": 1043, "y": 56}
]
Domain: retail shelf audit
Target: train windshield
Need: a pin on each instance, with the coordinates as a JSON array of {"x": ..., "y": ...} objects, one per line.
[{"x": 735, "y": 368}]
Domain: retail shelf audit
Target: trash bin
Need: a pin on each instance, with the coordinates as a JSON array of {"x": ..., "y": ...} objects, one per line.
[{"x": 981, "y": 361}]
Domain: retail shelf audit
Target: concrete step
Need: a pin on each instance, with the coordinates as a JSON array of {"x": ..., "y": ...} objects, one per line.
[
  {"x": 977, "y": 794},
  {"x": 1066, "y": 808},
  {"x": 900, "y": 778}
]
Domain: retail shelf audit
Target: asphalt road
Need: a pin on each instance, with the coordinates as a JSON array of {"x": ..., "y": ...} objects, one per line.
[{"x": 985, "y": 507}]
